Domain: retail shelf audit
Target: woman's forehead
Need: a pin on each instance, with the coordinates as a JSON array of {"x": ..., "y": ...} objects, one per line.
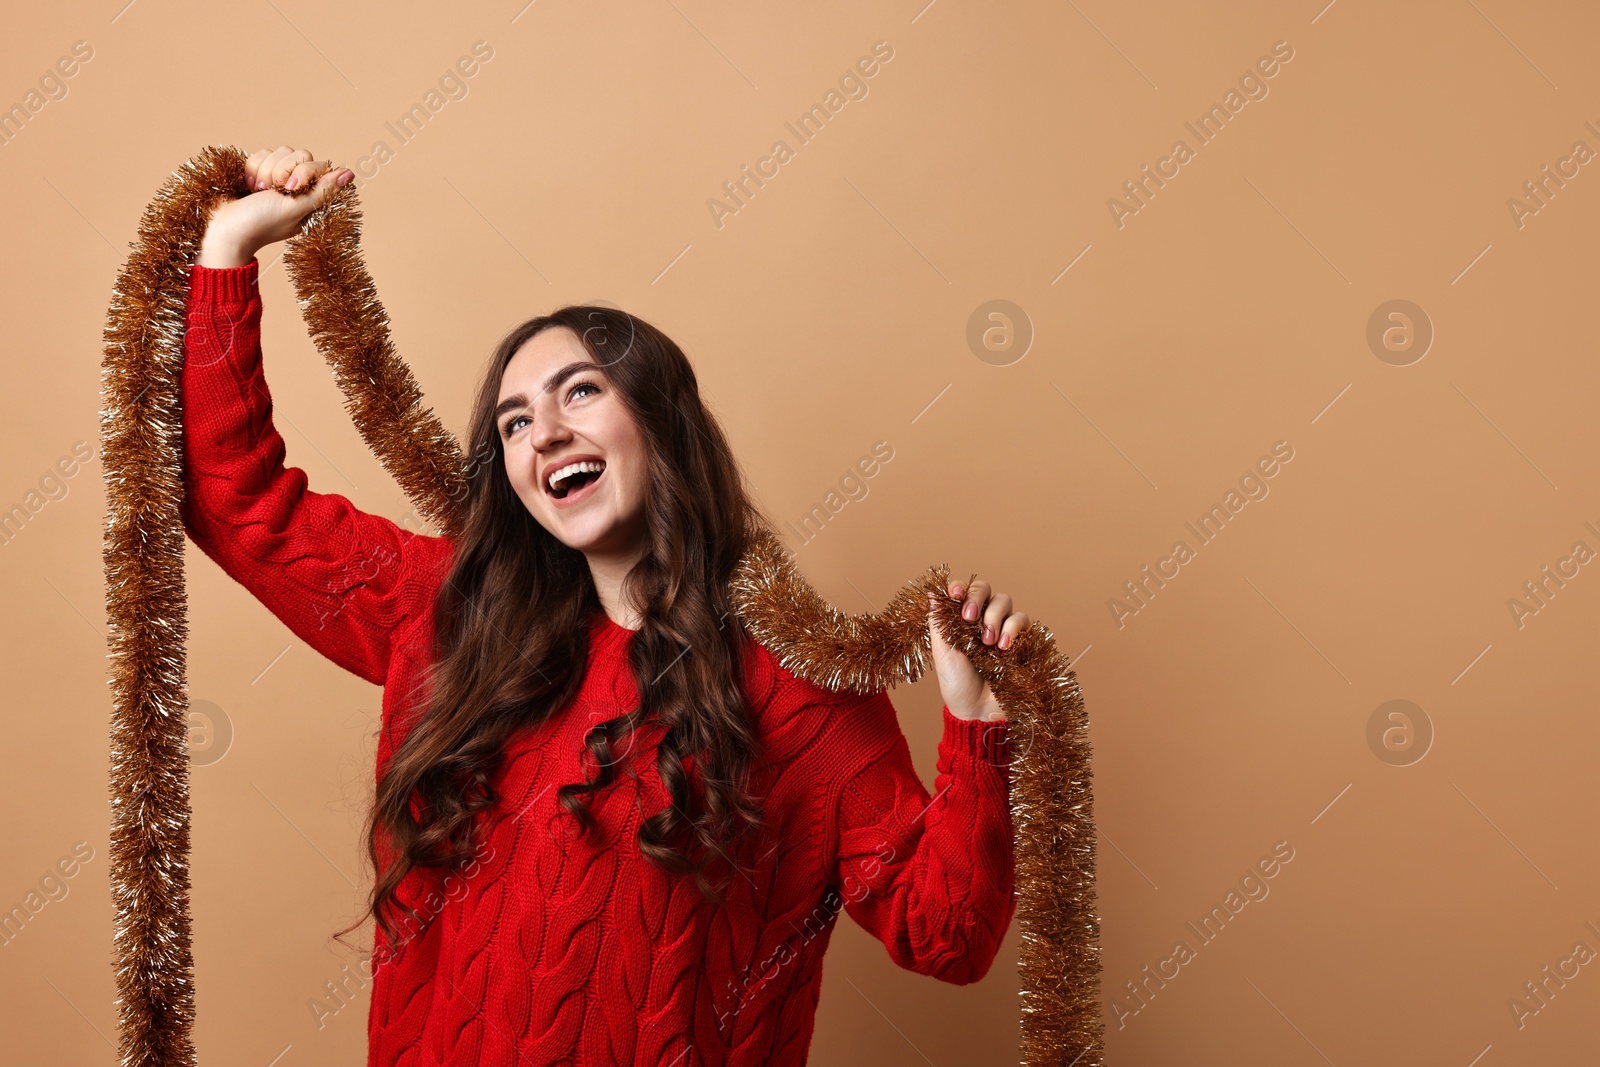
[
  {"x": 533, "y": 365},
  {"x": 554, "y": 344}
]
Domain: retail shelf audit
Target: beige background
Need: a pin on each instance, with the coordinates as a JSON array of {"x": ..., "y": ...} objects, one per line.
[{"x": 831, "y": 312}]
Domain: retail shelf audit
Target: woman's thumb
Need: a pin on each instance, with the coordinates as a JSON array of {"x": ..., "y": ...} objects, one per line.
[{"x": 327, "y": 185}]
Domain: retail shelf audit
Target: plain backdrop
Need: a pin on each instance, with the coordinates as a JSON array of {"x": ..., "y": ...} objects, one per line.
[{"x": 1147, "y": 357}]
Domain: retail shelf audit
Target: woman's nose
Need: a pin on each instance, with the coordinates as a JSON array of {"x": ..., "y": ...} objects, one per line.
[{"x": 548, "y": 430}]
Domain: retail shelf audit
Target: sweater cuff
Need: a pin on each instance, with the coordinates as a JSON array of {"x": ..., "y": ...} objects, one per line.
[
  {"x": 224, "y": 285},
  {"x": 977, "y": 740}
]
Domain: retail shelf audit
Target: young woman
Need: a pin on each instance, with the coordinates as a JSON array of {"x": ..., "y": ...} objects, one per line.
[{"x": 532, "y": 907}]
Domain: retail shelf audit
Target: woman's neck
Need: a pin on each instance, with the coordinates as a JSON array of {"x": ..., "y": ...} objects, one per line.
[{"x": 608, "y": 573}]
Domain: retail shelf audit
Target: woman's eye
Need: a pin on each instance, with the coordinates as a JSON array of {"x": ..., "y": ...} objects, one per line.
[{"x": 510, "y": 426}]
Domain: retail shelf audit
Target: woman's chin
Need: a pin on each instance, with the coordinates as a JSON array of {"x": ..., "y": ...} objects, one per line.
[
  {"x": 588, "y": 534},
  {"x": 593, "y": 527}
]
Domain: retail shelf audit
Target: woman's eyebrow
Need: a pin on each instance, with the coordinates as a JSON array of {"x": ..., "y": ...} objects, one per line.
[{"x": 517, "y": 401}]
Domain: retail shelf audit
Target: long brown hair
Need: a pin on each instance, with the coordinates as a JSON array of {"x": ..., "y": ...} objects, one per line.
[{"x": 511, "y": 638}]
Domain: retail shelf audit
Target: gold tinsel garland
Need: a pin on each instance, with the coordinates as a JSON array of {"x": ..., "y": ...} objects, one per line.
[{"x": 1052, "y": 801}]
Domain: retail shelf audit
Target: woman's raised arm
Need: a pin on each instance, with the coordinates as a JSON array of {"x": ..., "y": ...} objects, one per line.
[{"x": 341, "y": 579}]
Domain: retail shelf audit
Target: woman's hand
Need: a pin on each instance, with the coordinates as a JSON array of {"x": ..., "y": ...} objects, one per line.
[
  {"x": 240, "y": 227},
  {"x": 965, "y": 693}
]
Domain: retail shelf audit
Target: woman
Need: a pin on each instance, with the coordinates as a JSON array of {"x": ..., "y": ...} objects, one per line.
[{"x": 530, "y": 907}]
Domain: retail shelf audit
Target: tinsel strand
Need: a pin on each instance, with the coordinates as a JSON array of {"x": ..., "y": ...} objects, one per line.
[{"x": 141, "y": 444}]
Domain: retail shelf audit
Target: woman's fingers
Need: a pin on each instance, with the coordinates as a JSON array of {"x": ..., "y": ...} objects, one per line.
[
  {"x": 1015, "y": 623},
  {"x": 307, "y": 173},
  {"x": 302, "y": 173},
  {"x": 1001, "y": 624},
  {"x": 283, "y": 163},
  {"x": 268, "y": 165},
  {"x": 285, "y": 167},
  {"x": 976, "y": 595},
  {"x": 261, "y": 164},
  {"x": 254, "y": 169},
  {"x": 274, "y": 168},
  {"x": 251, "y": 165},
  {"x": 994, "y": 615},
  {"x": 290, "y": 169}
]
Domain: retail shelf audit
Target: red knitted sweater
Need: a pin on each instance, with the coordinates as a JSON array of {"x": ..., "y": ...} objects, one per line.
[{"x": 548, "y": 948}]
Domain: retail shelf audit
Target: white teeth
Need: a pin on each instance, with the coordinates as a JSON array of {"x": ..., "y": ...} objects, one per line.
[{"x": 574, "y": 468}]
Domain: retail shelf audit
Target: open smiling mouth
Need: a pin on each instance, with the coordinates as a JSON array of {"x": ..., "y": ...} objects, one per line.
[{"x": 576, "y": 486}]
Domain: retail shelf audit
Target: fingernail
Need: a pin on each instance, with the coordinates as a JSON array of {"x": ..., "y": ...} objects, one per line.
[
  {"x": 988, "y": 635},
  {"x": 970, "y": 612},
  {"x": 291, "y": 183},
  {"x": 1005, "y": 642},
  {"x": 346, "y": 178}
]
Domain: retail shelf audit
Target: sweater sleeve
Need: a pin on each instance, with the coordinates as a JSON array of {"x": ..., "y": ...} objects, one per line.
[
  {"x": 340, "y": 579},
  {"x": 932, "y": 877}
]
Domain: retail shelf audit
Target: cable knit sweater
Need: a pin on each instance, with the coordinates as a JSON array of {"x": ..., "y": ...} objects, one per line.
[{"x": 549, "y": 949}]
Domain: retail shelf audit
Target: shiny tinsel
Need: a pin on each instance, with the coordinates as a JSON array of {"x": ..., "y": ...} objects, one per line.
[{"x": 141, "y": 434}]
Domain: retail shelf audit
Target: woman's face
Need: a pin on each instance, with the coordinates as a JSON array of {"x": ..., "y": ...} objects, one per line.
[{"x": 557, "y": 406}]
